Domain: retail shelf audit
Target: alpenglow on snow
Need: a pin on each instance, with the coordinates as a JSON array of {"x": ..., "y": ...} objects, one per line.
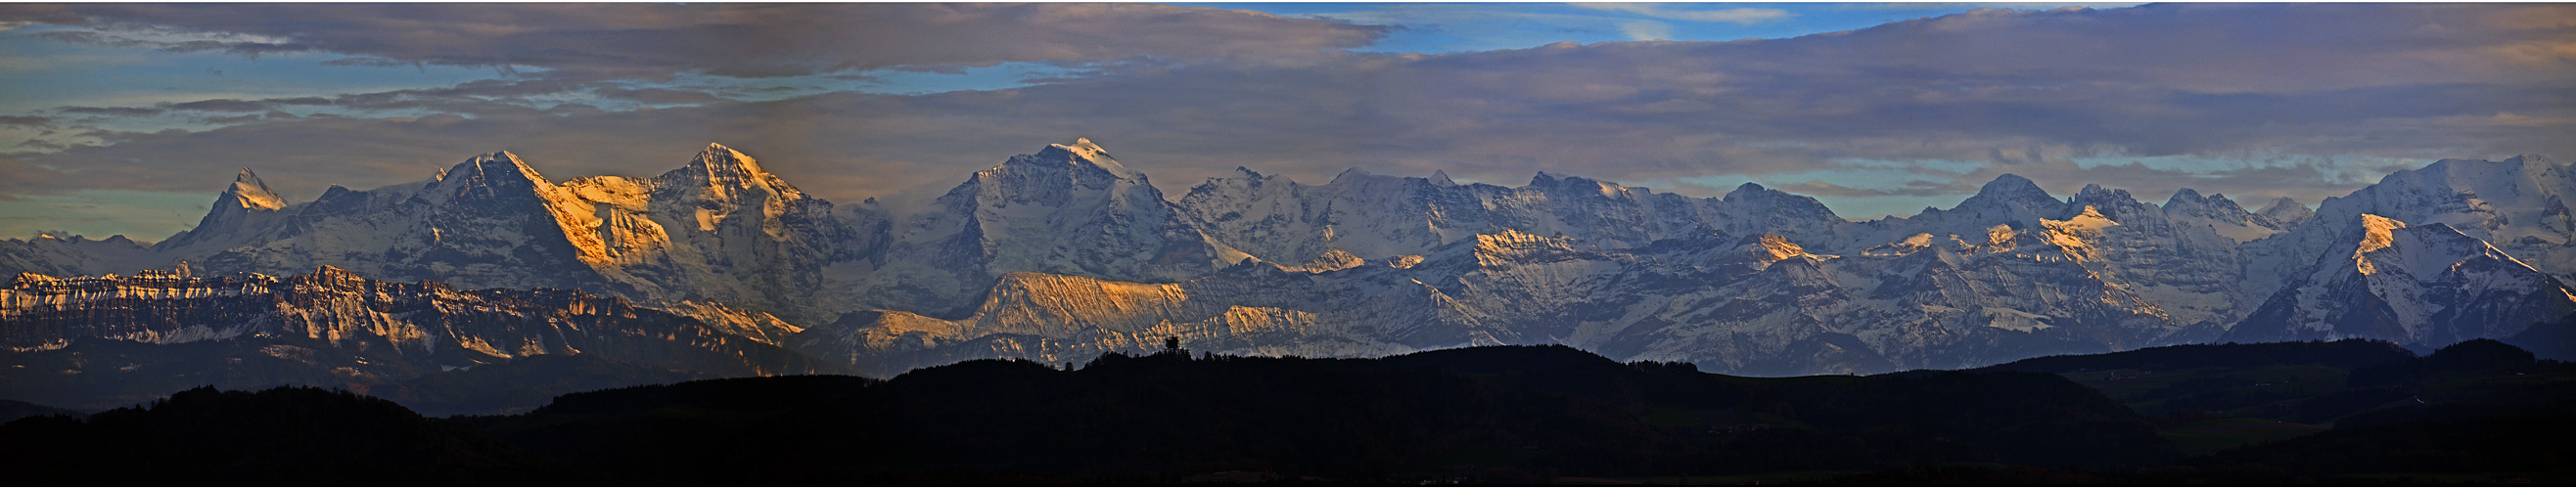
[{"x": 1067, "y": 253}]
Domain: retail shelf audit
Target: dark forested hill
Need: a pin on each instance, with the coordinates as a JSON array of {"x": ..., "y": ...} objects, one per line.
[
  {"x": 1493, "y": 415},
  {"x": 279, "y": 436},
  {"x": 1501, "y": 414}
]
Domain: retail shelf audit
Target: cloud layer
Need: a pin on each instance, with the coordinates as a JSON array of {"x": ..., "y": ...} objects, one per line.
[
  {"x": 2246, "y": 99},
  {"x": 726, "y": 39}
]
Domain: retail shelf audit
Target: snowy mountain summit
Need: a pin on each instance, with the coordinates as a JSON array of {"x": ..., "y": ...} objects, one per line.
[{"x": 1067, "y": 252}]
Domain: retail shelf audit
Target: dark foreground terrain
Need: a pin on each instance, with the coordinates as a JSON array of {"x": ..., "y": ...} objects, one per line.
[{"x": 2346, "y": 413}]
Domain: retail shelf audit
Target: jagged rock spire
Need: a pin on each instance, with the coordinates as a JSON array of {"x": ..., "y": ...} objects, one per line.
[{"x": 248, "y": 192}]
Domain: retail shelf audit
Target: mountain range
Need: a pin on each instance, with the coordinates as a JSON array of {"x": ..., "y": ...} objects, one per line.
[{"x": 1066, "y": 253}]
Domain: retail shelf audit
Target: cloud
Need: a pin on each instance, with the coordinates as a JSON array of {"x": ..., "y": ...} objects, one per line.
[
  {"x": 1664, "y": 11},
  {"x": 223, "y": 105},
  {"x": 660, "y": 95},
  {"x": 42, "y": 145},
  {"x": 1914, "y": 188},
  {"x": 111, "y": 111},
  {"x": 596, "y": 41},
  {"x": 2254, "y": 100},
  {"x": 1646, "y": 30}
]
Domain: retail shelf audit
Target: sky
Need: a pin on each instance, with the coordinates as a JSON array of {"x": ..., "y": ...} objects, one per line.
[{"x": 130, "y": 118}]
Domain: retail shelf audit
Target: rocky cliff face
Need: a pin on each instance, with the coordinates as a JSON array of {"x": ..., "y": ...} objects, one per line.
[
  {"x": 333, "y": 327},
  {"x": 404, "y": 327}
]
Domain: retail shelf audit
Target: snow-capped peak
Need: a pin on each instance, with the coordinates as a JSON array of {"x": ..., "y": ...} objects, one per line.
[
  {"x": 2215, "y": 206},
  {"x": 723, "y": 172},
  {"x": 1441, "y": 178},
  {"x": 2014, "y": 189},
  {"x": 2287, "y": 211},
  {"x": 250, "y": 193},
  {"x": 720, "y": 160},
  {"x": 1081, "y": 152},
  {"x": 499, "y": 167},
  {"x": 1353, "y": 172},
  {"x": 1084, "y": 147},
  {"x": 2185, "y": 194}
]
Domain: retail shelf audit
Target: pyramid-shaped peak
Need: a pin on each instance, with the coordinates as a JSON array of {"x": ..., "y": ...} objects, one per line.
[
  {"x": 2282, "y": 204},
  {"x": 721, "y": 161},
  {"x": 721, "y": 173},
  {"x": 248, "y": 192},
  {"x": 1085, "y": 148},
  {"x": 2009, "y": 182},
  {"x": 501, "y": 168},
  {"x": 506, "y": 160},
  {"x": 1080, "y": 153},
  {"x": 1352, "y": 175},
  {"x": 2286, "y": 211},
  {"x": 248, "y": 177},
  {"x": 1441, "y": 178},
  {"x": 2012, "y": 190}
]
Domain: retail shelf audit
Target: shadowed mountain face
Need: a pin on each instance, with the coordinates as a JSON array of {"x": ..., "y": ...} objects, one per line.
[
  {"x": 1488, "y": 415},
  {"x": 1067, "y": 253}
]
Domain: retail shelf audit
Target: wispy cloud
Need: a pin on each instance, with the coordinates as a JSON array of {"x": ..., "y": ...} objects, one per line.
[
  {"x": 1646, "y": 30},
  {"x": 1668, "y": 12},
  {"x": 739, "y": 40}
]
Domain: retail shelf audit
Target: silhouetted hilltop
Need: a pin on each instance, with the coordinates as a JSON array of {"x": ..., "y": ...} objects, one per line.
[
  {"x": 1494, "y": 414},
  {"x": 1488, "y": 415},
  {"x": 15, "y": 410},
  {"x": 2346, "y": 353},
  {"x": 275, "y": 437}
]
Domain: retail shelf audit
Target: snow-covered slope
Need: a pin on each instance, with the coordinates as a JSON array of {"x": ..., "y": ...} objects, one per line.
[
  {"x": 717, "y": 229},
  {"x": 2518, "y": 204},
  {"x": 2187, "y": 207},
  {"x": 1068, "y": 252},
  {"x": 1752, "y": 304},
  {"x": 55, "y": 253},
  {"x": 2286, "y": 212},
  {"x": 1374, "y": 216},
  {"x": 2425, "y": 285},
  {"x": 1068, "y": 209}
]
